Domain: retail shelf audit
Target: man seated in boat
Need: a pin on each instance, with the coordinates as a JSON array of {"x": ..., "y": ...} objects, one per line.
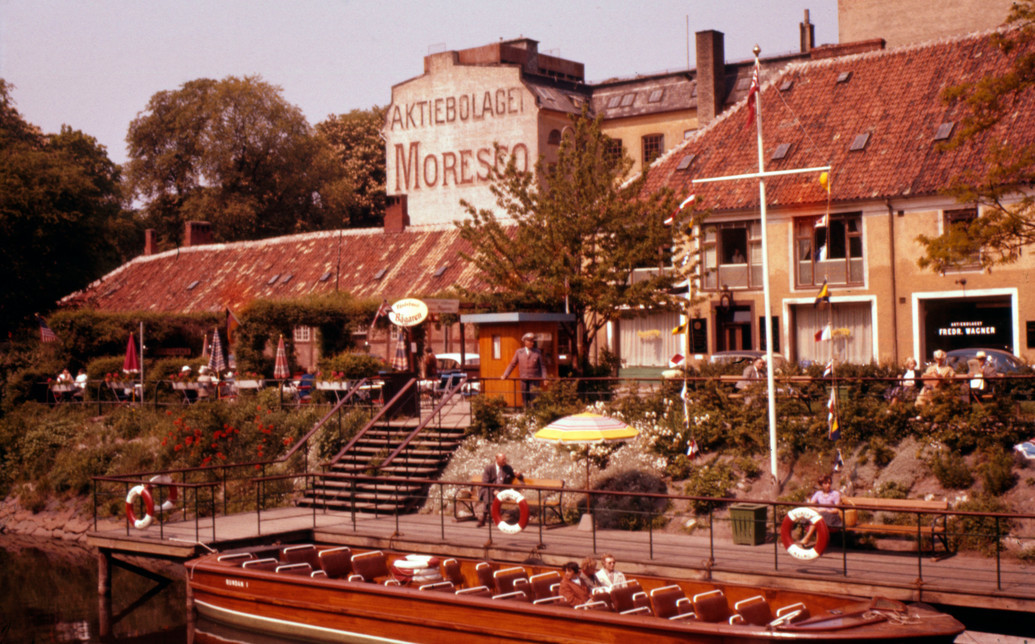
[
  {"x": 608, "y": 576},
  {"x": 498, "y": 471},
  {"x": 571, "y": 589}
]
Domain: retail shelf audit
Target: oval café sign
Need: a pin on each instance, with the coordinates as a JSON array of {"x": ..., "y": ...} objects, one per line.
[{"x": 408, "y": 312}]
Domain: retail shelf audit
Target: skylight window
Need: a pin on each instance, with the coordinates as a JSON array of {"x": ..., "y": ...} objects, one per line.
[
  {"x": 286, "y": 278},
  {"x": 273, "y": 280},
  {"x": 441, "y": 270},
  {"x": 656, "y": 96},
  {"x": 326, "y": 276},
  {"x": 780, "y": 151},
  {"x": 193, "y": 285},
  {"x": 685, "y": 162},
  {"x": 628, "y": 99},
  {"x": 380, "y": 273},
  {"x": 844, "y": 77},
  {"x": 615, "y": 101},
  {"x": 860, "y": 142},
  {"x": 786, "y": 85},
  {"x": 944, "y": 131}
]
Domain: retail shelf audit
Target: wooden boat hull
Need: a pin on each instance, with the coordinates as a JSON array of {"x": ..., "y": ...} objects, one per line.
[{"x": 333, "y": 610}]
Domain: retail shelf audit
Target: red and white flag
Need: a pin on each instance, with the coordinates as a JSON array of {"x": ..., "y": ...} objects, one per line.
[
  {"x": 683, "y": 204},
  {"x": 823, "y": 334},
  {"x": 752, "y": 96}
]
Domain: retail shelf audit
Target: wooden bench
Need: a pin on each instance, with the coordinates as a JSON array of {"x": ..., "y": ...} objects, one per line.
[
  {"x": 935, "y": 529},
  {"x": 467, "y": 499}
]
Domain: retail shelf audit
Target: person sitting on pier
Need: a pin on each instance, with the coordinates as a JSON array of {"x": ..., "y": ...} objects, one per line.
[
  {"x": 608, "y": 576},
  {"x": 571, "y": 588},
  {"x": 826, "y": 497},
  {"x": 497, "y": 472}
]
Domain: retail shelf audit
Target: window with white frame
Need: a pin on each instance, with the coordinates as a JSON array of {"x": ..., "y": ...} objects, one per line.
[
  {"x": 731, "y": 255},
  {"x": 831, "y": 251},
  {"x": 303, "y": 334}
]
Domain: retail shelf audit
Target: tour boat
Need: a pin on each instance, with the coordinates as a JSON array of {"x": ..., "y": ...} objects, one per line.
[{"x": 334, "y": 593}]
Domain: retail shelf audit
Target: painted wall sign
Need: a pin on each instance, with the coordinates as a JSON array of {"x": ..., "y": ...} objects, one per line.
[
  {"x": 408, "y": 312},
  {"x": 443, "y": 306},
  {"x": 456, "y": 109},
  {"x": 967, "y": 328},
  {"x": 415, "y": 168}
]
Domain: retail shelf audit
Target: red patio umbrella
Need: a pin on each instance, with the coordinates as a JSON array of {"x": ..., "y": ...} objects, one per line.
[
  {"x": 280, "y": 365},
  {"x": 131, "y": 364}
]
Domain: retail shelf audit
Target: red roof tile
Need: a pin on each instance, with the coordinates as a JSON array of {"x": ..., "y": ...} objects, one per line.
[
  {"x": 237, "y": 273},
  {"x": 892, "y": 95}
]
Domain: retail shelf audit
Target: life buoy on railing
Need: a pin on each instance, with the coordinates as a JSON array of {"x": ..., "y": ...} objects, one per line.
[
  {"x": 172, "y": 495},
  {"x": 822, "y": 533},
  {"x": 512, "y": 496},
  {"x": 140, "y": 492}
]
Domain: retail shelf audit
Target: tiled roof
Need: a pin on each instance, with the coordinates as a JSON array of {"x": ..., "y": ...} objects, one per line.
[
  {"x": 893, "y": 96},
  {"x": 210, "y": 277}
]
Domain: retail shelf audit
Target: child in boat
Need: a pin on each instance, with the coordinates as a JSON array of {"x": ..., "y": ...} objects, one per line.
[{"x": 823, "y": 496}]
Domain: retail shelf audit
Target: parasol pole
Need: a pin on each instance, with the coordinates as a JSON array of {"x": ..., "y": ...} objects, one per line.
[{"x": 141, "y": 365}]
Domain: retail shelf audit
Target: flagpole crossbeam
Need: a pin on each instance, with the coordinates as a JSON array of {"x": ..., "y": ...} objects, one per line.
[{"x": 763, "y": 175}]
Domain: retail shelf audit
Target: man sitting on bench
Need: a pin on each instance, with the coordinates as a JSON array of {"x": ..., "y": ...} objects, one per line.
[{"x": 497, "y": 472}]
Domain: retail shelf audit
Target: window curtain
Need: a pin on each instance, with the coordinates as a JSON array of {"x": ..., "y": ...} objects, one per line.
[
  {"x": 852, "y": 333},
  {"x": 647, "y": 340}
]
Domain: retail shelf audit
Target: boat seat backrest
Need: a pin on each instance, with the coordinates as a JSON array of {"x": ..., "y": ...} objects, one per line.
[
  {"x": 451, "y": 572},
  {"x": 551, "y": 601},
  {"x": 336, "y": 562},
  {"x": 665, "y": 602},
  {"x": 295, "y": 569},
  {"x": 754, "y": 610},
  {"x": 711, "y": 606},
  {"x": 793, "y": 613},
  {"x": 318, "y": 574},
  {"x": 622, "y": 597},
  {"x": 516, "y": 595},
  {"x": 391, "y": 581},
  {"x": 484, "y": 572},
  {"x": 506, "y": 577},
  {"x": 269, "y": 564},
  {"x": 235, "y": 558},
  {"x": 522, "y": 585},
  {"x": 592, "y": 605},
  {"x": 477, "y": 591},
  {"x": 370, "y": 565},
  {"x": 305, "y": 553},
  {"x": 542, "y": 583},
  {"x": 444, "y": 586}
]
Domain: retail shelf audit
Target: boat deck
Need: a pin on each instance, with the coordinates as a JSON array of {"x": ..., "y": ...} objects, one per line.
[{"x": 962, "y": 579}]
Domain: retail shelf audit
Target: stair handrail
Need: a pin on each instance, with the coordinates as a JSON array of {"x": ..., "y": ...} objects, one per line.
[
  {"x": 370, "y": 425},
  {"x": 443, "y": 401},
  {"x": 320, "y": 423}
]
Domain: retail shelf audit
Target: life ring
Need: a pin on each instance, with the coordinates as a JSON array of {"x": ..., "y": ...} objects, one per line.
[
  {"x": 822, "y": 533},
  {"x": 140, "y": 492},
  {"x": 512, "y": 496},
  {"x": 170, "y": 501}
]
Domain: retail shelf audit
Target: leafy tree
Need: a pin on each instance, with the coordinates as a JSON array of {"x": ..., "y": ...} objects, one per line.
[
  {"x": 1007, "y": 223},
  {"x": 357, "y": 196},
  {"x": 232, "y": 152},
  {"x": 570, "y": 235},
  {"x": 60, "y": 210}
]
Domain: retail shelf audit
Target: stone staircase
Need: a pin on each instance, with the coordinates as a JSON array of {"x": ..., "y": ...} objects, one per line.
[{"x": 424, "y": 458}]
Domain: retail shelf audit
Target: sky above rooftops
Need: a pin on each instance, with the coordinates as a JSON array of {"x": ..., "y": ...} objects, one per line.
[{"x": 94, "y": 65}]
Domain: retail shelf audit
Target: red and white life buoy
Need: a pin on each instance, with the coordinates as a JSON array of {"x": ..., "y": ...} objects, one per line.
[
  {"x": 512, "y": 496},
  {"x": 172, "y": 493},
  {"x": 822, "y": 533},
  {"x": 140, "y": 492}
]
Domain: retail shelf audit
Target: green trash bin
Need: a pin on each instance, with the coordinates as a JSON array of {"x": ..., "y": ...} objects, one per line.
[{"x": 749, "y": 523}]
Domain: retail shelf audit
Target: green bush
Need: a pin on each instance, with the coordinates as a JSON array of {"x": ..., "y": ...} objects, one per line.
[
  {"x": 332, "y": 438},
  {"x": 980, "y": 533},
  {"x": 714, "y": 479},
  {"x": 487, "y": 419},
  {"x": 623, "y": 512},
  {"x": 997, "y": 473},
  {"x": 351, "y": 366},
  {"x": 559, "y": 400},
  {"x": 951, "y": 470}
]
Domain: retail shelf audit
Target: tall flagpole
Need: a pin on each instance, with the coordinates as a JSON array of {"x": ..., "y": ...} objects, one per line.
[{"x": 769, "y": 376}]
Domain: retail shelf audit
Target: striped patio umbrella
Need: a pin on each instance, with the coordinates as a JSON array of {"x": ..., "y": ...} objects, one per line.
[
  {"x": 216, "y": 361},
  {"x": 280, "y": 365},
  {"x": 586, "y": 429},
  {"x": 131, "y": 364},
  {"x": 399, "y": 360}
]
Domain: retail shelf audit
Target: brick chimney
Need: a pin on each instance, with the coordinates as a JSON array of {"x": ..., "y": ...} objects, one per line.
[
  {"x": 711, "y": 75},
  {"x": 808, "y": 34},
  {"x": 149, "y": 241},
  {"x": 397, "y": 217},
  {"x": 197, "y": 233}
]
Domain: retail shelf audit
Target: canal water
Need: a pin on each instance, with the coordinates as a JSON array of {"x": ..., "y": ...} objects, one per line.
[{"x": 48, "y": 593}]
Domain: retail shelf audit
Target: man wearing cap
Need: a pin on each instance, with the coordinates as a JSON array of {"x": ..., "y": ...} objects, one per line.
[
  {"x": 979, "y": 370},
  {"x": 935, "y": 378},
  {"x": 531, "y": 368}
]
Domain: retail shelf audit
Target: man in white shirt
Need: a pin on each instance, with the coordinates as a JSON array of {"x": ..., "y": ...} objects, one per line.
[{"x": 608, "y": 576}]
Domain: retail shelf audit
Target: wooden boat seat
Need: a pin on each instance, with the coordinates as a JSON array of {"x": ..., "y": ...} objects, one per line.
[
  {"x": 542, "y": 584},
  {"x": 235, "y": 558},
  {"x": 669, "y": 602},
  {"x": 295, "y": 569},
  {"x": 444, "y": 586},
  {"x": 551, "y": 601},
  {"x": 370, "y": 566},
  {"x": 484, "y": 572},
  {"x": 506, "y": 578},
  {"x": 624, "y": 599},
  {"x": 477, "y": 591},
  {"x": 516, "y": 595},
  {"x": 305, "y": 553},
  {"x": 753, "y": 610},
  {"x": 592, "y": 605},
  {"x": 711, "y": 606},
  {"x": 523, "y": 586},
  {"x": 791, "y": 614},
  {"x": 318, "y": 574},
  {"x": 268, "y": 563},
  {"x": 392, "y": 582},
  {"x": 450, "y": 569},
  {"x": 336, "y": 562}
]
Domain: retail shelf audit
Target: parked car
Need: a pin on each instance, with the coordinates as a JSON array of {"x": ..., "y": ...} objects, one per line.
[
  {"x": 451, "y": 361},
  {"x": 743, "y": 358},
  {"x": 1004, "y": 361}
]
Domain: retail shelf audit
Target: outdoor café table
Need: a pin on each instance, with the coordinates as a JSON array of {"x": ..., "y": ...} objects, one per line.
[
  {"x": 125, "y": 390},
  {"x": 63, "y": 391},
  {"x": 241, "y": 386},
  {"x": 189, "y": 391},
  {"x": 337, "y": 387}
]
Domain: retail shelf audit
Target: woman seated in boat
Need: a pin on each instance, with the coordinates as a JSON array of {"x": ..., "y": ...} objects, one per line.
[
  {"x": 571, "y": 589},
  {"x": 824, "y": 496},
  {"x": 588, "y": 574}
]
